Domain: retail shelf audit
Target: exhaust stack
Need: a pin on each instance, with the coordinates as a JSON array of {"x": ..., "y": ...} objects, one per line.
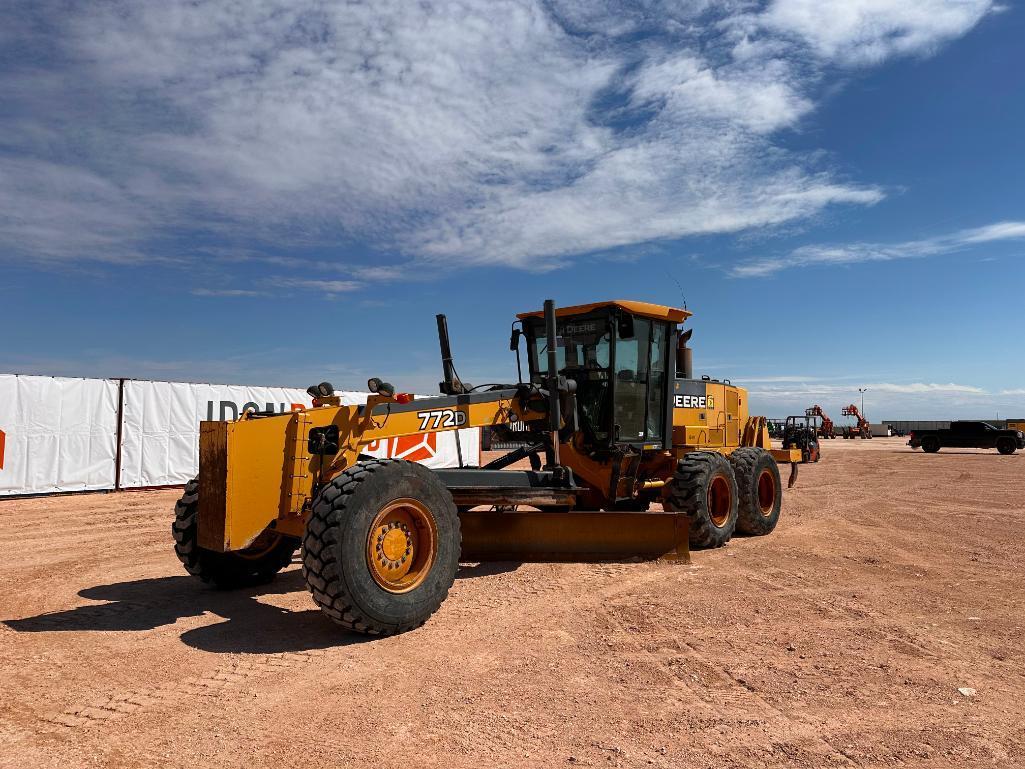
[{"x": 685, "y": 356}]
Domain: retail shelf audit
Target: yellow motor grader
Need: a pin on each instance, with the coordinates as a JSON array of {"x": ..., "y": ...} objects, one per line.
[{"x": 609, "y": 418}]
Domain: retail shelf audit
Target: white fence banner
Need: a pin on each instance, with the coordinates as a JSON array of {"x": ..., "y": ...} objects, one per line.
[
  {"x": 56, "y": 434},
  {"x": 160, "y": 430},
  {"x": 160, "y": 427}
]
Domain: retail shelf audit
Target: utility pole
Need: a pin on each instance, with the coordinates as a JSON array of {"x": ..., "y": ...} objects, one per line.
[{"x": 863, "y": 390}]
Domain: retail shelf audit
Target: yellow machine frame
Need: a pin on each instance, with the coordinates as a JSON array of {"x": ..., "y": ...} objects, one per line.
[
  {"x": 613, "y": 420},
  {"x": 259, "y": 472}
]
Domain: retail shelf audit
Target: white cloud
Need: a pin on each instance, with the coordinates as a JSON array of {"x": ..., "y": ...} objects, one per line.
[
  {"x": 508, "y": 131},
  {"x": 877, "y": 387},
  {"x": 860, "y": 32},
  {"x": 854, "y": 253},
  {"x": 992, "y": 232},
  {"x": 328, "y": 287},
  {"x": 228, "y": 292},
  {"x": 759, "y": 98},
  {"x": 770, "y": 379},
  {"x": 52, "y": 210}
]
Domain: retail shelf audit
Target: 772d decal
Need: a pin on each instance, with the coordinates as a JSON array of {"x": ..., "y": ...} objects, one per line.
[{"x": 441, "y": 419}]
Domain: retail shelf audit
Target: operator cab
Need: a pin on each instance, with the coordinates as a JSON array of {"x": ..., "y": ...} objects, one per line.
[{"x": 620, "y": 355}]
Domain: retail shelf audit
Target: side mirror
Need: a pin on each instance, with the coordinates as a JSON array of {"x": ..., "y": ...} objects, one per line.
[
  {"x": 514, "y": 340},
  {"x": 626, "y": 326}
]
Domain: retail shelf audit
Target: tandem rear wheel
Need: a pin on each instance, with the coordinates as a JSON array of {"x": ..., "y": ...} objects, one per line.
[
  {"x": 704, "y": 486},
  {"x": 381, "y": 547},
  {"x": 760, "y": 490},
  {"x": 741, "y": 494}
]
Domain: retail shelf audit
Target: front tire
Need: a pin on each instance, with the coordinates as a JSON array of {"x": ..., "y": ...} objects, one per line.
[
  {"x": 930, "y": 444},
  {"x": 760, "y": 490},
  {"x": 256, "y": 565},
  {"x": 1006, "y": 446},
  {"x": 705, "y": 488},
  {"x": 382, "y": 546}
]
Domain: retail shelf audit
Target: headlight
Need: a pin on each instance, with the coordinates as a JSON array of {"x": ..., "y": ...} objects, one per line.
[
  {"x": 323, "y": 390},
  {"x": 375, "y": 385}
]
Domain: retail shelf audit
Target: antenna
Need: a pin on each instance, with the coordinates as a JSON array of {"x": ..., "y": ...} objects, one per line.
[{"x": 673, "y": 278}]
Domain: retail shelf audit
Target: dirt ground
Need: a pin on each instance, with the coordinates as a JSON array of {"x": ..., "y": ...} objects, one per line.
[{"x": 894, "y": 579}]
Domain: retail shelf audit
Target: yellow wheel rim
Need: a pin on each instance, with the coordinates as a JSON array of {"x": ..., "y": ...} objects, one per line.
[
  {"x": 766, "y": 492},
  {"x": 261, "y": 546},
  {"x": 720, "y": 501},
  {"x": 402, "y": 545}
]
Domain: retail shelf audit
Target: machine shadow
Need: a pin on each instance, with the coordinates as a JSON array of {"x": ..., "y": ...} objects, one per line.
[
  {"x": 250, "y": 626},
  {"x": 486, "y": 569}
]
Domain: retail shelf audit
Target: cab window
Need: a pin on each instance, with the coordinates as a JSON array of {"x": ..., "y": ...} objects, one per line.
[
  {"x": 657, "y": 358},
  {"x": 580, "y": 344},
  {"x": 632, "y": 367},
  {"x": 583, "y": 354}
]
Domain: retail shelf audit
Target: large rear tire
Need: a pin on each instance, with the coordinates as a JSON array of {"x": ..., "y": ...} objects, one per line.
[
  {"x": 705, "y": 488},
  {"x": 256, "y": 565},
  {"x": 760, "y": 490},
  {"x": 382, "y": 546}
]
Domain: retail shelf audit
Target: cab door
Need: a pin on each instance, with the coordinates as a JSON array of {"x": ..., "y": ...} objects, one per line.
[
  {"x": 961, "y": 434},
  {"x": 732, "y": 417},
  {"x": 640, "y": 363}
]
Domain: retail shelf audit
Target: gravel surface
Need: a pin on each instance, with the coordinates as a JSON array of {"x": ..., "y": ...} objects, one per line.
[{"x": 880, "y": 625}]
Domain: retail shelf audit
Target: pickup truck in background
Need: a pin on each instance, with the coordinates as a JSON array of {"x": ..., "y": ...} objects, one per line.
[{"x": 972, "y": 435}]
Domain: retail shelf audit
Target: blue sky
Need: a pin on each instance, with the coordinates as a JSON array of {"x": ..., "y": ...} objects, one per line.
[{"x": 278, "y": 193}]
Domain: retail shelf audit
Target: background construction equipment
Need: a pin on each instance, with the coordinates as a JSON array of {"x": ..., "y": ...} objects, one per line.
[
  {"x": 826, "y": 427},
  {"x": 861, "y": 427}
]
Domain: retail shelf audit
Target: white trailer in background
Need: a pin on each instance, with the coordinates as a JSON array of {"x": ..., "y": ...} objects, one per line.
[{"x": 881, "y": 431}]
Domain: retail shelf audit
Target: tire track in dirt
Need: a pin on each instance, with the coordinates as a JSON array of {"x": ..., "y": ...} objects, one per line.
[
  {"x": 514, "y": 594},
  {"x": 159, "y": 617},
  {"x": 217, "y": 683},
  {"x": 702, "y": 683},
  {"x": 836, "y": 608}
]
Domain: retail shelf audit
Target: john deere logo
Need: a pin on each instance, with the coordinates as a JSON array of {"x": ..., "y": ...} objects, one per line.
[{"x": 693, "y": 402}]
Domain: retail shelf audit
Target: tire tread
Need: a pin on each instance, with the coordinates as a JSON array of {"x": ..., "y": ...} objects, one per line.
[
  {"x": 221, "y": 569},
  {"x": 320, "y": 566},
  {"x": 687, "y": 494}
]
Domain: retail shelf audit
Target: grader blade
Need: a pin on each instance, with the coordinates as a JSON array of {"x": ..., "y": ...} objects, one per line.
[{"x": 490, "y": 535}]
